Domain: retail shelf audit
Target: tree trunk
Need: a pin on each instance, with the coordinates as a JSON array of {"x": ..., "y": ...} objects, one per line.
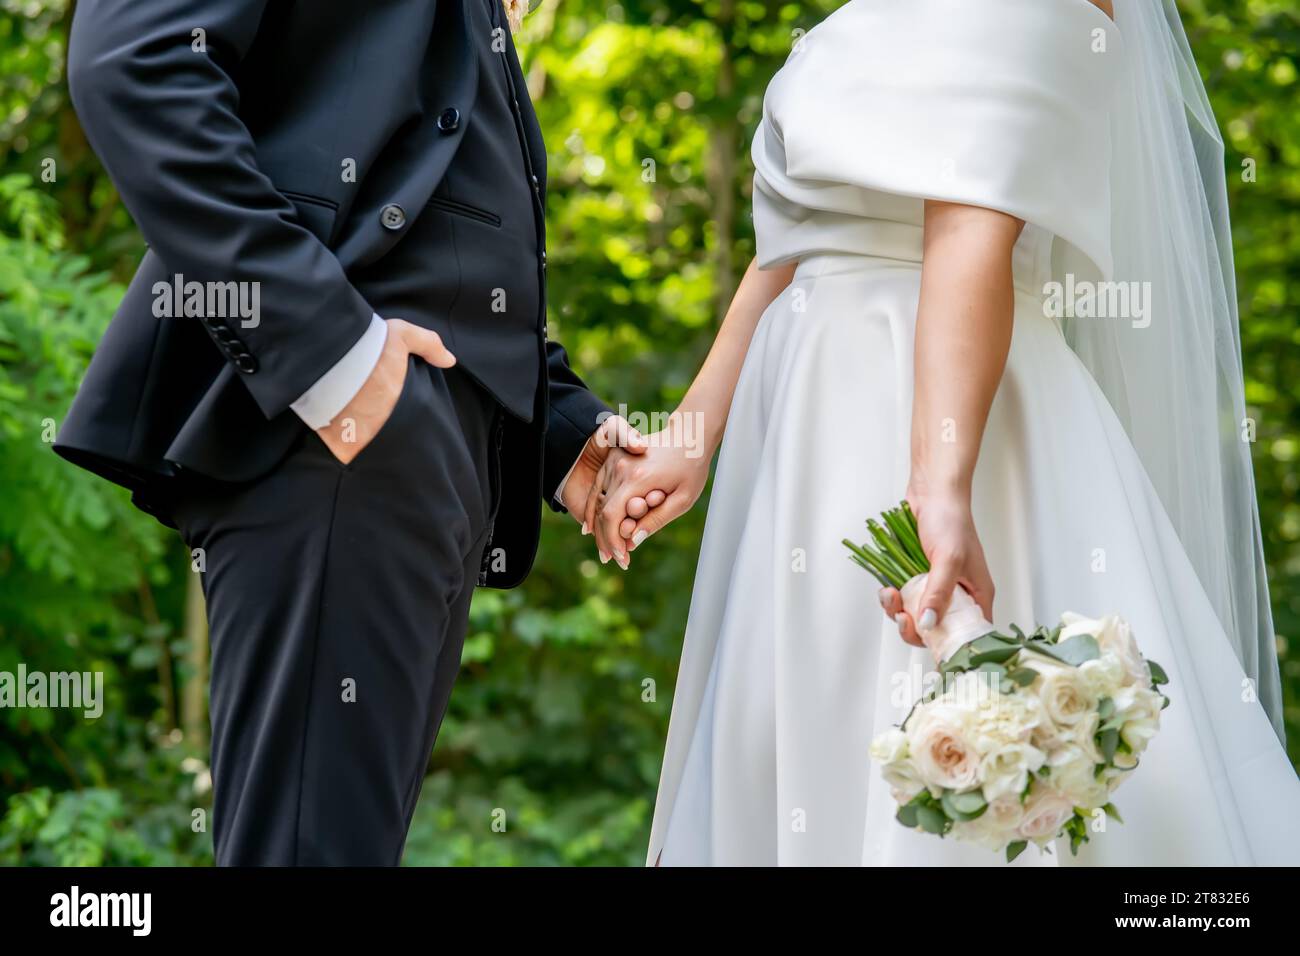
[{"x": 194, "y": 716}]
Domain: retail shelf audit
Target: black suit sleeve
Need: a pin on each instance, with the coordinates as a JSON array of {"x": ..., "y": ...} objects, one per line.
[
  {"x": 164, "y": 120},
  {"x": 573, "y": 413}
]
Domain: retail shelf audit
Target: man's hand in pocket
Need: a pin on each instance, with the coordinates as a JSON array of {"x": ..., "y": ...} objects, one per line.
[{"x": 359, "y": 422}]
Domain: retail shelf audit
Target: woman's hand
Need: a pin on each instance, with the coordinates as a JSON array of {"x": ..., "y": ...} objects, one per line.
[
  {"x": 634, "y": 497},
  {"x": 949, "y": 540}
]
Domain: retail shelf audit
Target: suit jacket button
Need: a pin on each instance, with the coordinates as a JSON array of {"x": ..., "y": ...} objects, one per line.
[
  {"x": 448, "y": 119},
  {"x": 246, "y": 363},
  {"x": 392, "y": 216}
]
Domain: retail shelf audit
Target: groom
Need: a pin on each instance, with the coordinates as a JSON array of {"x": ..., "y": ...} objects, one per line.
[{"x": 305, "y": 172}]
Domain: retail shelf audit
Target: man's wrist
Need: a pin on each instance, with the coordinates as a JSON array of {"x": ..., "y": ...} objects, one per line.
[
  {"x": 319, "y": 405},
  {"x": 564, "y": 482}
]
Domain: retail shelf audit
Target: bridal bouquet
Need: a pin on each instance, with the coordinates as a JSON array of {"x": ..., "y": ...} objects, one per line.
[{"x": 1026, "y": 736}]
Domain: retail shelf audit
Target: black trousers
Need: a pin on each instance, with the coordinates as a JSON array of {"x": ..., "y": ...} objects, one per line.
[{"x": 338, "y": 597}]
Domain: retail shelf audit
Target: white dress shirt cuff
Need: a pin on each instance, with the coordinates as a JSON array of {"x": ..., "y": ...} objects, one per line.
[
  {"x": 319, "y": 404},
  {"x": 559, "y": 492}
]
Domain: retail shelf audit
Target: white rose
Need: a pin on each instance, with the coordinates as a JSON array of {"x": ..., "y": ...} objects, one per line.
[
  {"x": 1082, "y": 736},
  {"x": 1074, "y": 774},
  {"x": 889, "y": 746},
  {"x": 1005, "y": 772},
  {"x": 1103, "y": 676},
  {"x": 1064, "y": 693},
  {"x": 996, "y": 826},
  {"x": 1006, "y": 719},
  {"x": 1073, "y": 624},
  {"x": 1141, "y": 716},
  {"x": 1114, "y": 635},
  {"x": 1117, "y": 638},
  {"x": 939, "y": 747},
  {"x": 890, "y": 750},
  {"x": 1046, "y": 811}
]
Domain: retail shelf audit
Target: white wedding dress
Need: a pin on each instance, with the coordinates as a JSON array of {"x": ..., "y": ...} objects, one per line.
[{"x": 789, "y": 667}]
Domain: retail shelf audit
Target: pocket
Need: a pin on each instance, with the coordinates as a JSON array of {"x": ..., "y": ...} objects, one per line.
[
  {"x": 457, "y": 208},
  {"x": 394, "y": 424},
  {"x": 315, "y": 214}
]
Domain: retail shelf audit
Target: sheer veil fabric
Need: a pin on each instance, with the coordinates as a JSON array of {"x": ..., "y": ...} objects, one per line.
[
  {"x": 1174, "y": 375},
  {"x": 1112, "y": 478}
]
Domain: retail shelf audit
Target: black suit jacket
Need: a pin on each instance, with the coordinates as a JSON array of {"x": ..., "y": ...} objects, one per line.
[{"x": 229, "y": 127}]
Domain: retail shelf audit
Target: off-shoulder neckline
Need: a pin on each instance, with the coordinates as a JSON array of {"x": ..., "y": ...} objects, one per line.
[{"x": 1106, "y": 17}]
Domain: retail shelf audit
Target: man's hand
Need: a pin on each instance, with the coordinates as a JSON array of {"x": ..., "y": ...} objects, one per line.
[
  {"x": 634, "y": 498},
  {"x": 359, "y": 422},
  {"x": 614, "y": 439}
]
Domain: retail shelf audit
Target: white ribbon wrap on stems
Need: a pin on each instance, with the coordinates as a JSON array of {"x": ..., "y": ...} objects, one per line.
[{"x": 962, "y": 623}]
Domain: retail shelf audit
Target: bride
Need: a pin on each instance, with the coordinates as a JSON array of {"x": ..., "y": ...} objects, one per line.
[{"x": 994, "y": 277}]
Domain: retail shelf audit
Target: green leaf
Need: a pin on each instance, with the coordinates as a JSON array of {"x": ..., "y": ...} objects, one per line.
[
  {"x": 1024, "y": 676},
  {"x": 932, "y": 820},
  {"x": 1079, "y": 649},
  {"x": 964, "y": 806},
  {"x": 1015, "y": 848},
  {"x": 1108, "y": 742},
  {"x": 992, "y": 655},
  {"x": 1158, "y": 675}
]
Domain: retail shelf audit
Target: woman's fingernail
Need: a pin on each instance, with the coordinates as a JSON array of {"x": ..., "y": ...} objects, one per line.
[
  {"x": 928, "y": 620},
  {"x": 622, "y": 561},
  {"x": 585, "y": 529},
  {"x": 604, "y": 557},
  {"x": 900, "y": 618},
  {"x": 639, "y": 537},
  {"x": 880, "y": 596}
]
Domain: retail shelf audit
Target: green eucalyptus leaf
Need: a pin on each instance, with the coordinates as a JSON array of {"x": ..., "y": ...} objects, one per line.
[
  {"x": 932, "y": 820},
  {"x": 1024, "y": 676},
  {"x": 1079, "y": 649}
]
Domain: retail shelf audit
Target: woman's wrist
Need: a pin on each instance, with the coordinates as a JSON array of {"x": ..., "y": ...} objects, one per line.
[
  {"x": 699, "y": 422},
  {"x": 951, "y": 486}
]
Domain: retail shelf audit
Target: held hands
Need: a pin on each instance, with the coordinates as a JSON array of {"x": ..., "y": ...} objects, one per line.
[
  {"x": 613, "y": 441},
  {"x": 949, "y": 540},
  {"x": 638, "y": 488}
]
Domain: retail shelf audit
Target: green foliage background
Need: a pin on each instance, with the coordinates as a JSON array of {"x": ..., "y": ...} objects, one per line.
[{"x": 554, "y": 720}]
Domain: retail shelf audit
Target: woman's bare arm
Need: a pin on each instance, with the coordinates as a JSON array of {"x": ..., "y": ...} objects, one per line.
[
  {"x": 963, "y": 335},
  {"x": 672, "y": 464},
  {"x": 710, "y": 393}
]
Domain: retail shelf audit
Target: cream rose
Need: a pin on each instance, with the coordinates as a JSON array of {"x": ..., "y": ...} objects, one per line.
[
  {"x": 1113, "y": 635},
  {"x": 1074, "y": 775},
  {"x": 1064, "y": 693},
  {"x": 1079, "y": 738},
  {"x": 1006, "y": 719},
  {"x": 996, "y": 826},
  {"x": 1104, "y": 676},
  {"x": 1140, "y": 712},
  {"x": 1005, "y": 771},
  {"x": 940, "y": 749},
  {"x": 1045, "y": 813},
  {"x": 1117, "y": 638},
  {"x": 889, "y": 749}
]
